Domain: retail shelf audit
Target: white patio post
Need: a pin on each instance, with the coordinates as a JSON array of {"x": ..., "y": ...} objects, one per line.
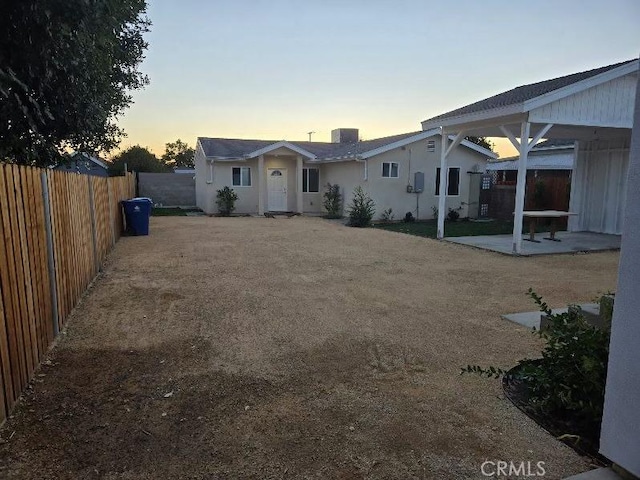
[
  {"x": 299, "y": 201},
  {"x": 261, "y": 185},
  {"x": 520, "y": 187},
  {"x": 443, "y": 183}
]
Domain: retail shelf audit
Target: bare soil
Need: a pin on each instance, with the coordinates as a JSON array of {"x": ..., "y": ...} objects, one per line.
[{"x": 292, "y": 348}]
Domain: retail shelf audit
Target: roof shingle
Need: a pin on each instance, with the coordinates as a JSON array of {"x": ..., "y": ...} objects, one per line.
[{"x": 526, "y": 92}]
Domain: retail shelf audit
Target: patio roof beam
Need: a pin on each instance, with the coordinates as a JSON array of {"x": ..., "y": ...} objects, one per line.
[
  {"x": 543, "y": 131},
  {"x": 510, "y": 136},
  {"x": 444, "y": 176}
]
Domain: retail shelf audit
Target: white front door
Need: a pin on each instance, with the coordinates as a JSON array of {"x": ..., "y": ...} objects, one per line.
[{"x": 277, "y": 189}]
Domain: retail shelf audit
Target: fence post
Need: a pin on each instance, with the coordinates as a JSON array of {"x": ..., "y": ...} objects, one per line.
[
  {"x": 50, "y": 259},
  {"x": 94, "y": 235},
  {"x": 113, "y": 233}
]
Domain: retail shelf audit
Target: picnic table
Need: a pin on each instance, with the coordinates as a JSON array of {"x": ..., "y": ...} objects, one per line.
[{"x": 534, "y": 215}]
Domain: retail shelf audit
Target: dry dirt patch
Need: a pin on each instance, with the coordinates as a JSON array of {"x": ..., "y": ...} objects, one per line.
[{"x": 261, "y": 348}]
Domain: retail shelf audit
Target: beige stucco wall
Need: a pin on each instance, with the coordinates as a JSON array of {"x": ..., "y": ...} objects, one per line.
[
  {"x": 386, "y": 192},
  {"x": 248, "y": 196},
  {"x": 392, "y": 192}
]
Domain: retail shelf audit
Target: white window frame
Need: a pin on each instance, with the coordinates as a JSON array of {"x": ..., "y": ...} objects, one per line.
[
  {"x": 447, "y": 183},
  {"x": 307, "y": 171},
  {"x": 390, "y": 169},
  {"x": 250, "y": 177}
]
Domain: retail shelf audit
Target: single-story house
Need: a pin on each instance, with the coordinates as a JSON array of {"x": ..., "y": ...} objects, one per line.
[
  {"x": 555, "y": 155},
  {"x": 84, "y": 164},
  {"x": 549, "y": 168},
  {"x": 283, "y": 176}
]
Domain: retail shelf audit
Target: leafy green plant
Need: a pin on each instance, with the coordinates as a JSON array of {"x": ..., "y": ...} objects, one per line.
[
  {"x": 387, "y": 215},
  {"x": 408, "y": 217},
  {"x": 569, "y": 379},
  {"x": 362, "y": 209},
  {"x": 332, "y": 202},
  {"x": 454, "y": 214},
  {"x": 226, "y": 201},
  {"x": 434, "y": 212}
]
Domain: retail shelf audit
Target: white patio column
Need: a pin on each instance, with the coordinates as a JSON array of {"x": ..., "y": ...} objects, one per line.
[
  {"x": 444, "y": 178},
  {"x": 261, "y": 185},
  {"x": 520, "y": 187},
  {"x": 299, "y": 202}
]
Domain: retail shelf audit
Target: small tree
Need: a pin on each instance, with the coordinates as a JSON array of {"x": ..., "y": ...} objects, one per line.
[
  {"x": 362, "y": 209},
  {"x": 226, "y": 201},
  {"x": 178, "y": 154},
  {"x": 137, "y": 159},
  {"x": 333, "y": 201}
]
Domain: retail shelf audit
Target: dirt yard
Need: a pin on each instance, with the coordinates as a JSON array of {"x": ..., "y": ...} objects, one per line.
[{"x": 292, "y": 348}]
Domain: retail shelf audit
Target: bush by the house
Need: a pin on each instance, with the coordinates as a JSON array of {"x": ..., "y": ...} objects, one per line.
[
  {"x": 408, "y": 217},
  {"x": 226, "y": 201},
  {"x": 453, "y": 214},
  {"x": 568, "y": 382},
  {"x": 387, "y": 215},
  {"x": 362, "y": 209},
  {"x": 332, "y": 202}
]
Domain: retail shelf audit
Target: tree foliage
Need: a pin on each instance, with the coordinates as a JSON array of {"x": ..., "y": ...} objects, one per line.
[
  {"x": 178, "y": 154},
  {"x": 482, "y": 141},
  {"x": 66, "y": 72},
  {"x": 138, "y": 159}
]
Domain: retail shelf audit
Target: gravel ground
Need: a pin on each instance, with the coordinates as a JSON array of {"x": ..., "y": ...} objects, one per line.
[{"x": 292, "y": 348}]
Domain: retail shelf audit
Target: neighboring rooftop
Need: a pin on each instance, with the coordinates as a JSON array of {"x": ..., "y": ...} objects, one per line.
[
  {"x": 553, "y": 144},
  {"x": 526, "y": 92}
]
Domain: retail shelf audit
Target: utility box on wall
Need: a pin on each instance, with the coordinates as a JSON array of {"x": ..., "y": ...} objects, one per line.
[{"x": 418, "y": 182}]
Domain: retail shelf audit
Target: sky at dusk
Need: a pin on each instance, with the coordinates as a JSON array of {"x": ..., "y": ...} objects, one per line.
[{"x": 278, "y": 69}]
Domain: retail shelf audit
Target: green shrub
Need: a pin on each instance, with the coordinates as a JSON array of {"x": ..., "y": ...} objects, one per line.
[
  {"x": 387, "y": 215},
  {"x": 362, "y": 209},
  {"x": 454, "y": 214},
  {"x": 409, "y": 218},
  {"x": 226, "y": 201},
  {"x": 332, "y": 202},
  {"x": 569, "y": 379}
]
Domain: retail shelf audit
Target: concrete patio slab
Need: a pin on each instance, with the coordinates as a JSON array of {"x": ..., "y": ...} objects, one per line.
[
  {"x": 532, "y": 319},
  {"x": 570, "y": 242}
]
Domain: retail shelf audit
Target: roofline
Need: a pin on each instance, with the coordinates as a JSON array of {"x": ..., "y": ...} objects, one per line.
[
  {"x": 98, "y": 162},
  {"x": 281, "y": 144},
  {"x": 399, "y": 143},
  {"x": 536, "y": 102},
  {"x": 476, "y": 147},
  {"x": 553, "y": 147}
]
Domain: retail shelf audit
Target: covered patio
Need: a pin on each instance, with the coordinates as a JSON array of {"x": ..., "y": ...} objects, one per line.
[{"x": 595, "y": 108}]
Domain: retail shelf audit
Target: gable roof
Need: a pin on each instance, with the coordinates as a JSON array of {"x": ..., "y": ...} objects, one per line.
[
  {"x": 554, "y": 144},
  {"x": 235, "y": 149},
  {"x": 519, "y": 96}
]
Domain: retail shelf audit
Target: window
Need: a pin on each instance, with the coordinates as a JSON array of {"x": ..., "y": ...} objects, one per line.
[
  {"x": 454, "y": 182},
  {"x": 389, "y": 170},
  {"x": 431, "y": 145},
  {"x": 241, "y": 176},
  {"x": 310, "y": 180}
]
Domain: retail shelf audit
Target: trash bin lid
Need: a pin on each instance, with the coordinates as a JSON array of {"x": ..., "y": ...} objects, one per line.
[{"x": 141, "y": 199}]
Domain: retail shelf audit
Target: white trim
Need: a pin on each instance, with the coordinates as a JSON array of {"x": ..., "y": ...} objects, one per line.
[
  {"x": 476, "y": 147},
  {"x": 581, "y": 86},
  {"x": 531, "y": 104},
  {"x": 250, "y": 178},
  {"x": 447, "y": 182},
  {"x": 399, "y": 143},
  {"x": 319, "y": 183},
  {"x": 281, "y": 144},
  {"x": 390, "y": 168}
]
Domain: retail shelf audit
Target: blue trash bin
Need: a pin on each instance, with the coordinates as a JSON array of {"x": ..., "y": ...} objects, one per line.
[{"x": 137, "y": 212}]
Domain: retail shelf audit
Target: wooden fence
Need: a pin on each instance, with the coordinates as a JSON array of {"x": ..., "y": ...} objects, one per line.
[{"x": 56, "y": 229}]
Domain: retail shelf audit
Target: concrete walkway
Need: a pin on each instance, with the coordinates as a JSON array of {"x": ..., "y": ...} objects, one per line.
[{"x": 571, "y": 242}]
